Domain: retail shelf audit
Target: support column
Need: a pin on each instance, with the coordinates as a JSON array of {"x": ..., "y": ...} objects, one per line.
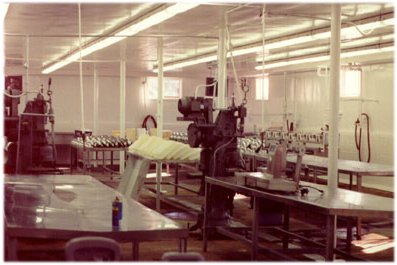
[
  {"x": 159, "y": 116},
  {"x": 160, "y": 85},
  {"x": 122, "y": 104},
  {"x": 334, "y": 98},
  {"x": 221, "y": 100},
  {"x": 82, "y": 124},
  {"x": 95, "y": 118},
  {"x": 96, "y": 100}
]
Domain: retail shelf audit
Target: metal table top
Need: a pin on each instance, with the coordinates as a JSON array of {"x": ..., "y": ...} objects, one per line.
[
  {"x": 340, "y": 202},
  {"x": 346, "y": 166},
  {"x": 66, "y": 206}
]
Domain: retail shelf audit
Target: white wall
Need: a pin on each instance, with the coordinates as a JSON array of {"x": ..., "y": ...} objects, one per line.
[
  {"x": 305, "y": 93},
  {"x": 66, "y": 102},
  {"x": 307, "y": 99}
]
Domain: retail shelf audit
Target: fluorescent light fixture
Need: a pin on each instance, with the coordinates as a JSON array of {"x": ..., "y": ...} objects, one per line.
[
  {"x": 205, "y": 59},
  {"x": 324, "y": 58},
  {"x": 157, "y": 18},
  {"x": 145, "y": 23},
  {"x": 350, "y": 32},
  {"x": 345, "y": 45}
]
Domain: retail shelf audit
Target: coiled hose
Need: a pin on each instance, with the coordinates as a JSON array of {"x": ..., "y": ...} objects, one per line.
[{"x": 358, "y": 139}]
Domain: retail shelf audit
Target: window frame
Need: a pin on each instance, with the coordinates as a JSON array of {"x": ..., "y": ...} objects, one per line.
[
  {"x": 262, "y": 97},
  {"x": 152, "y": 79},
  {"x": 342, "y": 91}
]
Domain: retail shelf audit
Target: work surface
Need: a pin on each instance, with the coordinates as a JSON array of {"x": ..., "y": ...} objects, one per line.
[
  {"x": 346, "y": 166},
  {"x": 65, "y": 206},
  {"x": 340, "y": 202}
]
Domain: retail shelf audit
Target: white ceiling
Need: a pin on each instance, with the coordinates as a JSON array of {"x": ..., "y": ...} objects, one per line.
[{"x": 38, "y": 33}]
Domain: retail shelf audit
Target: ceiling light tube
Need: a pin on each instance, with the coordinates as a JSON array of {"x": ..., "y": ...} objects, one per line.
[
  {"x": 325, "y": 58},
  {"x": 311, "y": 50},
  {"x": 145, "y": 23}
]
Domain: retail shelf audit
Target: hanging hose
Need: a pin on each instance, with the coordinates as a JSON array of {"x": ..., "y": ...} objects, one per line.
[{"x": 358, "y": 139}]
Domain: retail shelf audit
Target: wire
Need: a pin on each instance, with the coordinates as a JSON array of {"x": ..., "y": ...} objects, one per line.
[
  {"x": 20, "y": 95},
  {"x": 359, "y": 30},
  {"x": 14, "y": 96},
  {"x": 311, "y": 187},
  {"x": 230, "y": 47},
  {"x": 216, "y": 150},
  {"x": 197, "y": 87},
  {"x": 358, "y": 140}
]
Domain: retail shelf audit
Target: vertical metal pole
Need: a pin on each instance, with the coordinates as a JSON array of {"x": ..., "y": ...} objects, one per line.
[
  {"x": 334, "y": 98},
  {"x": 122, "y": 103},
  {"x": 96, "y": 99},
  {"x": 330, "y": 237},
  {"x": 221, "y": 99},
  {"x": 160, "y": 85},
  {"x": 263, "y": 72},
  {"x": 81, "y": 74},
  {"x": 95, "y": 121},
  {"x": 255, "y": 229},
  {"x": 27, "y": 83},
  {"x": 159, "y": 117}
]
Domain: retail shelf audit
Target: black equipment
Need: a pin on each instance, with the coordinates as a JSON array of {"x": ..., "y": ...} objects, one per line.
[
  {"x": 34, "y": 154},
  {"x": 219, "y": 156}
]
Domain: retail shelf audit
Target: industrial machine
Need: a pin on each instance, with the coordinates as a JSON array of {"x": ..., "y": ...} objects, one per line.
[
  {"x": 28, "y": 149},
  {"x": 218, "y": 139}
]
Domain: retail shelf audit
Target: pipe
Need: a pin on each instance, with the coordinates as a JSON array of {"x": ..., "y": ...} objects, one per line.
[
  {"x": 96, "y": 99},
  {"x": 263, "y": 69},
  {"x": 160, "y": 85},
  {"x": 334, "y": 98},
  {"x": 81, "y": 76},
  {"x": 221, "y": 100},
  {"x": 122, "y": 103},
  {"x": 159, "y": 116},
  {"x": 27, "y": 67}
]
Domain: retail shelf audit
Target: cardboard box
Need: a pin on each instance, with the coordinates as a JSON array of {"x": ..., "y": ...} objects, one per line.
[
  {"x": 130, "y": 134},
  {"x": 166, "y": 133},
  {"x": 116, "y": 133}
]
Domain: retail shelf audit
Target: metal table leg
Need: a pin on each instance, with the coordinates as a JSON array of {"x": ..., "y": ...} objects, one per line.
[
  {"x": 205, "y": 218},
  {"x": 330, "y": 237},
  {"x": 255, "y": 229},
  {"x": 349, "y": 235},
  {"x": 176, "y": 179},
  {"x": 71, "y": 159},
  {"x": 350, "y": 181},
  {"x": 111, "y": 160},
  {"x": 158, "y": 185},
  {"x": 135, "y": 250},
  {"x": 12, "y": 249},
  {"x": 182, "y": 244},
  {"x": 286, "y": 226},
  {"x": 359, "y": 189},
  {"x": 359, "y": 182}
]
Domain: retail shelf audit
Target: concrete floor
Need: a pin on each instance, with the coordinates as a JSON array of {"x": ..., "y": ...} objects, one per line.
[{"x": 220, "y": 248}]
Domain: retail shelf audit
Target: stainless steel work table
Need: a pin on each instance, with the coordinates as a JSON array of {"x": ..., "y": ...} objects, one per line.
[
  {"x": 350, "y": 167},
  {"x": 340, "y": 203},
  {"x": 69, "y": 206},
  {"x": 86, "y": 159}
]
